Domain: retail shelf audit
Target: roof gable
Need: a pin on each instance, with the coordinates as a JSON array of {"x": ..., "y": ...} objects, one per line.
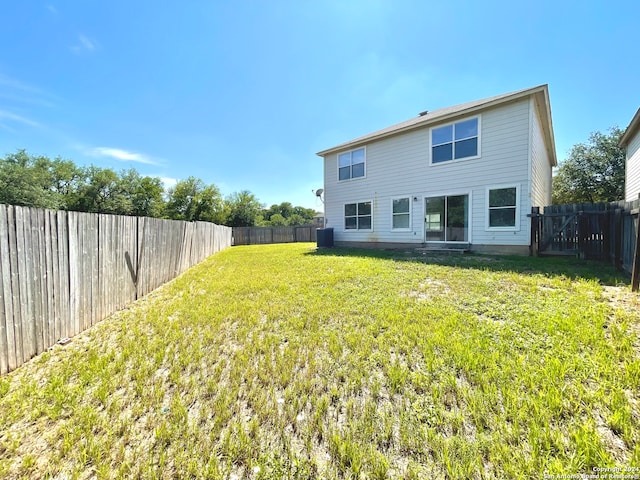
[
  {"x": 443, "y": 114},
  {"x": 631, "y": 130}
]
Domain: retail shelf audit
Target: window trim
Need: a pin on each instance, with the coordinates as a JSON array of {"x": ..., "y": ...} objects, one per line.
[
  {"x": 344, "y": 226},
  {"x": 401, "y": 197},
  {"x": 455, "y": 160},
  {"x": 516, "y": 227},
  {"x": 350, "y": 179}
]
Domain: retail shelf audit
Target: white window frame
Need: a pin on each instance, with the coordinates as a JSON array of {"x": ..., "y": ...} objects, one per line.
[
  {"x": 455, "y": 160},
  {"x": 344, "y": 223},
  {"x": 351, "y": 179},
  {"x": 516, "y": 227},
  {"x": 402, "y": 197}
]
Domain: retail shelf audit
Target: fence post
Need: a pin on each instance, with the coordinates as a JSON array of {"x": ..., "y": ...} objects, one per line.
[
  {"x": 581, "y": 236},
  {"x": 617, "y": 238},
  {"x": 534, "y": 245}
]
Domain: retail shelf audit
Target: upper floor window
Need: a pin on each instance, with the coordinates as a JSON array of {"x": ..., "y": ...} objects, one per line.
[
  {"x": 455, "y": 141},
  {"x": 351, "y": 164}
]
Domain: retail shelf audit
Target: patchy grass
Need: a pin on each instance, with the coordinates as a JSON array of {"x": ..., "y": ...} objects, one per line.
[{"x": 282, "y": 362}]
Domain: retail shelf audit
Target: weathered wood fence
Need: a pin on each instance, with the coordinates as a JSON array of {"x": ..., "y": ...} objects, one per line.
[
  {"x": 601, "y": 231},
  {"x": 263, "y": 235},
  {"x": 62, "y": 272}
]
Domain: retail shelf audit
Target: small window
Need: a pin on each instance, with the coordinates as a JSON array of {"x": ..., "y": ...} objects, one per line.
[
  {"x": 401, "y": 213},
  {"x": 357, "y": 216},
  {"x": 351, "y": 164},
  {"x": 455, "y": 141},
  {"x": 503, "y": 208}
]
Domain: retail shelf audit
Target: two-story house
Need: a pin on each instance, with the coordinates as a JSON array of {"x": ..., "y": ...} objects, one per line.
[
  {"x": 630, "y": 141},
  {"x": 463, "y": 176}
]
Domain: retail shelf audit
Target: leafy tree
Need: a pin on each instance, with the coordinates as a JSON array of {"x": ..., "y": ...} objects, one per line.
[
  {"x": 66, "y": 181},
  {"x": 101, "y": 192},
  {"x": 593, "y": 172},
  {"x": 243, "y": 209},
  {"x": 192, "y": 200},
  {"x": 291, "y": 215},
  {"x": 297, "y": 219},
  {"x": 277, "y": 220},
  {"x": 26, "y": 180},
  {"x": 145, "y": 193}
]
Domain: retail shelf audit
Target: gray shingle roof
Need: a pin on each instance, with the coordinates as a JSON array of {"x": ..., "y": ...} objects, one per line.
[{"x": 439, "y": 115}]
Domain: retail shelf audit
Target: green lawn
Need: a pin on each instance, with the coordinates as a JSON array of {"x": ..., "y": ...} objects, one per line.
[{"x": 279, "y": 361}]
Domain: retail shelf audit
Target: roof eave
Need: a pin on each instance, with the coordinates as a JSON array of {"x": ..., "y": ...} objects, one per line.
[
  {"x": 476, "y": 108},
  {"x": 549, "y": 126},
  {"x": 630, "y": 131}
]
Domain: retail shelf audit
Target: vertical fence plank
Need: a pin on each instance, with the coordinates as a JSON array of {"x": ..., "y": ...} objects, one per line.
[
  {"x": 14, "y": 254},
  {"x": 25, "y": 255},
  {"x": 74, "y": 273},
  {"x": 64, "y": 265},
  {"x": 49, "y": 297},
  {"x": 7, "y": 346}
]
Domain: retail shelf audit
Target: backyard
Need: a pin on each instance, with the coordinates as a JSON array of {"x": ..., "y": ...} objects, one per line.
[{"x": 280, "y": 361}]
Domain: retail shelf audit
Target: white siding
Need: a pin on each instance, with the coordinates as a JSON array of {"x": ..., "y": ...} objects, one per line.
[
  {"x": 540, "y": 164},
  {"x": 399, "y": 165},
  {"x": 632, "y": 175}
]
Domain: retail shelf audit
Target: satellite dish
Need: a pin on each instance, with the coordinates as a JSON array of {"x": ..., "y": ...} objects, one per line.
[{"x": 319, "y": 192}]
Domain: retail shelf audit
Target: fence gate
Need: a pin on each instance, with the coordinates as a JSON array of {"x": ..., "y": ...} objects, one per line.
[{"x": 572, "y": 230}]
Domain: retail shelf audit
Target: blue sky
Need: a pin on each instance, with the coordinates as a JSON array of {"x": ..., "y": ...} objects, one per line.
[{"x": 243, "y": 93}]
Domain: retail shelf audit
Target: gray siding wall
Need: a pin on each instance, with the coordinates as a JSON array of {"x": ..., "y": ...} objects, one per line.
[
  {"x": 540, "y": 166},
  {"x": 632, "y": 183},
  {"x": 400, "y": 166}
]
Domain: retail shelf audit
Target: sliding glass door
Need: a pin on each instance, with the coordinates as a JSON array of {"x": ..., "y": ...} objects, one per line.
[{"x": 447, "y": 218}]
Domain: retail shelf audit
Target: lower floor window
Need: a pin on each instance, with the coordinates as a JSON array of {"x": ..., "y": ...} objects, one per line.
[
  {"x": 503, "y": 207},
  {"x": 401, "y": 213},
  {"x": 357, "y": 216},
  {"x": 447, "y": 218}
]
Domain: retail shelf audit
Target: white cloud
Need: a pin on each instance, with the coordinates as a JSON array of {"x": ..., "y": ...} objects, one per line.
[
  {"x": 52, "y": 9},
  {"x": 122, "y": 155},
  {"x": 17, "y": 91},
  {"x": 85, "y": 44},
  {"x": 168, "y": 182},
  {"x": 18, "y": 118}
]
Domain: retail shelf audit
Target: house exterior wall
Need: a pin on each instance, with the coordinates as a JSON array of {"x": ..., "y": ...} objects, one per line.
[
  {"x": 399, "y": 166},
  {"x": 632, "y": 172},
  {"x": 540, "y": 164}
]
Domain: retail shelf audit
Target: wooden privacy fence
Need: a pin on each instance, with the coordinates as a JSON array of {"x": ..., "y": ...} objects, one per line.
[
  {"x": 601, "y": 231},
  {"x": 263, "y": 235},
  {"x": 62, "y": 272}
]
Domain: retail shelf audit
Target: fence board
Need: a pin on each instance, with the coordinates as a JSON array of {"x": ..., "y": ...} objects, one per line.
[
  {"x": 266, "y": 235},
  {"x": 62, "y": 272},
  {"x": 15, "y": 283},
  {"x": 7, "y": 343},
  {"x": 25, "y": 270},
  {"x": 64, "y": 327}
]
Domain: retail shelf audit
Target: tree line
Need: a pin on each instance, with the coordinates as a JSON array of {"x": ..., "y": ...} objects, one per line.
[{"x": 58, "y": 184}]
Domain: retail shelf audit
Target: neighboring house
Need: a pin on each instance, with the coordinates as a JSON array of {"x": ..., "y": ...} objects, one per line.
[
  {"x": 463, "y": 176},
  {"x": 630, "y": 141},
  {"x": 318, "y": 219}
]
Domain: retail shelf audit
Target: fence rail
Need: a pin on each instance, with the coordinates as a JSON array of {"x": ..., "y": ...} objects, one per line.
[
  {"x": 62, "y": 272},
  {"x": 264, "y": 235}
]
